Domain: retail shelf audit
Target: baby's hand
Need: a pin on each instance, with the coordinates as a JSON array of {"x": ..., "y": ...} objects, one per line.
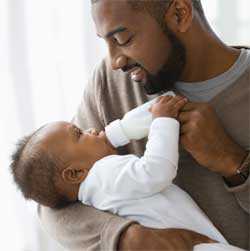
[{"x": 168, "y": 106}]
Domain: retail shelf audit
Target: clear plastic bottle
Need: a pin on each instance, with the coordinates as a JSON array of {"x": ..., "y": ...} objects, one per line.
[{"x": 134, "y": 125}]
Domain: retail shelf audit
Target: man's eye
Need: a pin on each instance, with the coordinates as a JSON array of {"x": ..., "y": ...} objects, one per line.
[{"x": 120, "y": 43}]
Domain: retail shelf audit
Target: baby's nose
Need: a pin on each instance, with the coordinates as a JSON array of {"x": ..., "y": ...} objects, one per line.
[{"x": 93, "y": 131}]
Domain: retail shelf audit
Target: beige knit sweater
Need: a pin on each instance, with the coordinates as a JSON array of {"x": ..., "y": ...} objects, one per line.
[{"x": 108, "y": 96}]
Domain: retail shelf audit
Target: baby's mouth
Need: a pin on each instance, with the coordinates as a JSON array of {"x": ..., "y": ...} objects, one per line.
[{"x": 103, "y": 135}]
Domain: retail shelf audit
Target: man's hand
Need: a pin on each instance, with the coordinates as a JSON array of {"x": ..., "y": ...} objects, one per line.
[
  {"x": 203, "y": 136},
  {"x": 137, "y": 237},
  {"x": 168, "y": 106}
]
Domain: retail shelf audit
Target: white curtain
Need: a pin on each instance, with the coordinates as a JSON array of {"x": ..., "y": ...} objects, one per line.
[{"x": 48, "y": 49}]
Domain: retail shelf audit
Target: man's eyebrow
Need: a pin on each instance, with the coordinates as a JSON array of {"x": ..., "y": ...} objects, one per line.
[{"x": 113, "y": 32}]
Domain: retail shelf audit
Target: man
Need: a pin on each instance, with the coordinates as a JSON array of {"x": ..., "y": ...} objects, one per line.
[{"x": 155, "y": 46}]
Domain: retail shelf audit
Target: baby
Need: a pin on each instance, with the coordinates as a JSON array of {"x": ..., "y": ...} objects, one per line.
[{"x": 60, "y": 164}]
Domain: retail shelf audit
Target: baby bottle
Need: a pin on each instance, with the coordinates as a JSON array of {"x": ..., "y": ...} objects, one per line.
[{"x": 134, "y": 125}]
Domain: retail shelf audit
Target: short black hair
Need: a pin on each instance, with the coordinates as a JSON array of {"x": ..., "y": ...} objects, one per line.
[
  {"x": 157, "y": 8},
  {"x": 34, "y": 173}
]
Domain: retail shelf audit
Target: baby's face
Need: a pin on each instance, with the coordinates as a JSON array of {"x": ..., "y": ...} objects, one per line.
[{"x": 70, "y": 144}]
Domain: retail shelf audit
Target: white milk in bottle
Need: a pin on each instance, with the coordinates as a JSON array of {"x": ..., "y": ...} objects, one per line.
[{"x": 134, "y": 125}]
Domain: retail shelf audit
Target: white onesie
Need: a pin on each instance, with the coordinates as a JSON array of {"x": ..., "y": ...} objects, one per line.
[{"x": 141, "y": 189}]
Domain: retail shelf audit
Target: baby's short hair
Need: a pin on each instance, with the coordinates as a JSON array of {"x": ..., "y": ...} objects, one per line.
[{"x": 35, "y": 173}]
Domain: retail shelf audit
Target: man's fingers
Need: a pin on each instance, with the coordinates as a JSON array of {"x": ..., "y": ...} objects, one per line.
[
  {"x": 190, "y": 106},
  {"x": 184, "y": 129},
  {"x": 184, "y": 117}
]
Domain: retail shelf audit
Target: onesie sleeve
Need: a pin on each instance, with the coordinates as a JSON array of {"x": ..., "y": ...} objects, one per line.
[{"x": 154, "y": 171}]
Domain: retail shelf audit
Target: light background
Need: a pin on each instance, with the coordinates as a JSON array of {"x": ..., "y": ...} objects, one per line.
[{"x": 48, "y": 49}]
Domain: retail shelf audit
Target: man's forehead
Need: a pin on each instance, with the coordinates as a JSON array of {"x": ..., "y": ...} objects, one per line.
[{"x": 111, "y": 14}]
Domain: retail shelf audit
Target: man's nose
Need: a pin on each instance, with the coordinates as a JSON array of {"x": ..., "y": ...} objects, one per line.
[{"x": 117, "y": 62}]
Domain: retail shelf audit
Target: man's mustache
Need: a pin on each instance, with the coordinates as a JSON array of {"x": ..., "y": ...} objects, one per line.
[
  {"x": 155, "y": 84},
  {"x": 127, "y": 68}
]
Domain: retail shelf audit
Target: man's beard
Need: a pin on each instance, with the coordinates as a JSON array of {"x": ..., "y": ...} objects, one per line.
[{"x": 171, "y": 71}]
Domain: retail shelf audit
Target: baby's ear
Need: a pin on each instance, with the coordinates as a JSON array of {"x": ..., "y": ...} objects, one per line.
[{"x": 74, "y": 174}]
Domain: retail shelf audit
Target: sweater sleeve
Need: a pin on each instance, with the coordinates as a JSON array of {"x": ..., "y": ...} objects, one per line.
[
  {"x": 242, "y": 192},
  {"x": 79, "y": 227},
  {"x": 150, "y": 174}
]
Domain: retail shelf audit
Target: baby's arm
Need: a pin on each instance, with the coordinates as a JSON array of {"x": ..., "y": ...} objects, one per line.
[{"x": 150, "y": 174}]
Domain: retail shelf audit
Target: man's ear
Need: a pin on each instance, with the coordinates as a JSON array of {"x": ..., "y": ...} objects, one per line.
[
  {"x": 74, "y": 173},
  {"x": 179, "y": 15}
]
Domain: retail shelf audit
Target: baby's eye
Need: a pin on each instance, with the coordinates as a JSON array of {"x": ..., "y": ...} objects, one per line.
[{"x": 78, "y": 132}]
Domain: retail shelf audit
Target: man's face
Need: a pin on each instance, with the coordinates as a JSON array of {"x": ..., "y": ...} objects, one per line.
[{"x": 138, "y": 45}]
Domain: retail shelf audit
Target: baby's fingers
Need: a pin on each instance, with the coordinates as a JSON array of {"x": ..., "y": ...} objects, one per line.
[
  {"x": 180, "y": 103},
  {"x": 164, "y": 98}
]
